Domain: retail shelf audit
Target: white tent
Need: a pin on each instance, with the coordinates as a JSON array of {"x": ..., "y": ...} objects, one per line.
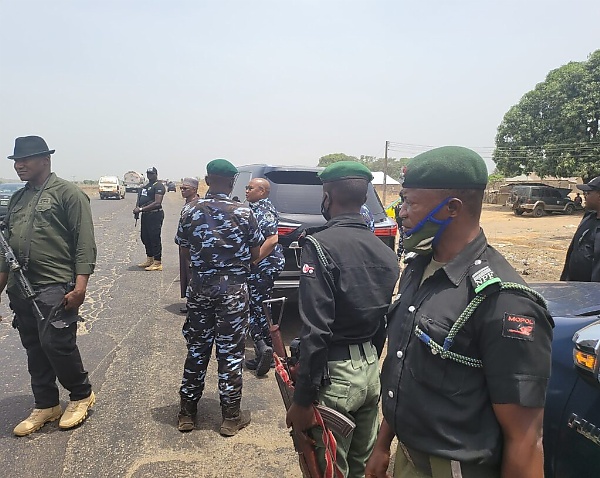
[{"x": 378, "y": 178}]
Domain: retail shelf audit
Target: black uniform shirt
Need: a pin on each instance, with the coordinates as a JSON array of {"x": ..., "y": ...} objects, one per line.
[
  {"x": 583, "y": 256},
  {"x": 443, "y": 407},
  {"x": 149, "y": 191},
  {"x": 365, "y": 272}
]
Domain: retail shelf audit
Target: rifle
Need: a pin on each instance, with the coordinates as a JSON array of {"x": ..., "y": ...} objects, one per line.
[
  {"x": 285, "y": 375},
  {"x": 22, "y": 282},
  {"x": 136, "y": 216}
]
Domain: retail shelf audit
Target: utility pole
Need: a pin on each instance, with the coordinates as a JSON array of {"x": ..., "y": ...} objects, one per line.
[{"x": 385, "y": 171}]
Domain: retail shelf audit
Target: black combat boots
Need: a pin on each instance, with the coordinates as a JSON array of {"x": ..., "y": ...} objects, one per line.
[
  {"x": 187, "y": 415},
  {"x": 234, "y": 419},
  {"x": 265, "y": 355}
]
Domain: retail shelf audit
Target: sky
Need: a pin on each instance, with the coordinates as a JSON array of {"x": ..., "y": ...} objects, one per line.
[{"x": 118, "y": 85}]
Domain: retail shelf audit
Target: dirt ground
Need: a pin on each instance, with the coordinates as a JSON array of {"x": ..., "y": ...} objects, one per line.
[{"x": 536, "y": 247}]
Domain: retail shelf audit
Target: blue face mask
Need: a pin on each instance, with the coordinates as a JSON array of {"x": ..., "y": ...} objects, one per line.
[{"x": 421, "y": 238}]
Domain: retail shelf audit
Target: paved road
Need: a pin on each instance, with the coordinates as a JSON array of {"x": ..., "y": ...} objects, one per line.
[{"x": 132, "y": 346}]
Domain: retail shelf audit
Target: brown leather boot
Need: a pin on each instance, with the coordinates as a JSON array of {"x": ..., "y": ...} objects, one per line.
[
  {"x": 234, "y": 420},
  {"x": 148, "y": 262},
  {"x": 187, "y": 415}
]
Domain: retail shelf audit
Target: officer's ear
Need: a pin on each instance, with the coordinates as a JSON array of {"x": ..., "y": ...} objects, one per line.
[
  {"x": 206, "y": 180},
  {"x": 454, "y": 206}
]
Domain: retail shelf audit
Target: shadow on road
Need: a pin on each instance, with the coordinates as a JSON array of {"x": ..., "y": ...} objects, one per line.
[{"x": 208, "y": 418}]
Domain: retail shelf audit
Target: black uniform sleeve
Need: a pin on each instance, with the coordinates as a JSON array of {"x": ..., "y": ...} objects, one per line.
[
  {"x": 317, "y": 311},
  {"x": 515, "y": 346}
]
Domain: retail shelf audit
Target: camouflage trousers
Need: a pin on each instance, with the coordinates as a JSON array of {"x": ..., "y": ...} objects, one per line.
[
  {"x": 217, "y": 313},
  {"x": 260, "y": 286}
]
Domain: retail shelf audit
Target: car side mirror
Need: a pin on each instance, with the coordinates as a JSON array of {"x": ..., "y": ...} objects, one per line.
[{"x": 586, "y": 353}]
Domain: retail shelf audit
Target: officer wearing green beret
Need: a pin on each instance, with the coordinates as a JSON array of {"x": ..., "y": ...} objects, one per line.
[
  {"x": 346, "y": 285},
  {"x": 221, "y": 238},
  {"x": 468, "y": 362}
]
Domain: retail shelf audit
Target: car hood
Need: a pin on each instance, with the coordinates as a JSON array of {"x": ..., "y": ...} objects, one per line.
[{"x": 570, "y": 299}]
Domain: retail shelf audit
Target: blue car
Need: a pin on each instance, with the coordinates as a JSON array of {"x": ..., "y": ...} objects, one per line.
[{"x": 572, "y": 413}]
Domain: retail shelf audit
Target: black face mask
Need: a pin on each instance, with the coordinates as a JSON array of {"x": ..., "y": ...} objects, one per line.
[{"x": 325, "y": 212}]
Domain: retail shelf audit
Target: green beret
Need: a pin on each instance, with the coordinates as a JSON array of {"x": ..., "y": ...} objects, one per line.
[
  {"x": 345, "y": 170},
  {"x": 448, "y": 167},
  {"x": 221, "y": 167}
]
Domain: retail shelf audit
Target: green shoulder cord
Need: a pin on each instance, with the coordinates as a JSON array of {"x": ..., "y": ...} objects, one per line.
[
  {"x": 444, "y": 350},
  {"x": 322, "y": 259}
]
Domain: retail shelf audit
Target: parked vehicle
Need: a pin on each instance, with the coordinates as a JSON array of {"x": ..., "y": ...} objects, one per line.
[
  {"x": 6, "y": 191},
  {"x": 111, "y": 187},
  {"x": 296, "y": 193},
  {"x": 572, "y": 413},
  {"x": 171, "y": 186},
  {"x": 539, "y": 199},
  {"x": 133, "y": 181}
]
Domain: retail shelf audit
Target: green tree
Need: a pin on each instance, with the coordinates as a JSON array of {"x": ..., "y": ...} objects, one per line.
[
  {"x": 325, "y": 161},
  {"x": 553, "y": 130},
  {"x": 395, "y": 166}
]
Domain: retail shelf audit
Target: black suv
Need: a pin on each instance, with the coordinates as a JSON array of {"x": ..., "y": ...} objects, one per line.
[
  {"x": 539, "y": 199},
  {"x": 6, "y": 191},
  {"x": 296, "y": 193}
]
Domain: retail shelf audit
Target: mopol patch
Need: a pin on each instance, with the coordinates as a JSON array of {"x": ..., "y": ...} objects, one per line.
[
  {"x": 308, "y": 270},
  {"x": 518, "y": 327}
]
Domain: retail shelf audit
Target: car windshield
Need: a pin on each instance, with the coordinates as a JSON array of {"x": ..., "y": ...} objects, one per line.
[
  {"x": 10, "y": 187},
  {"x": 301, "y": 192}
]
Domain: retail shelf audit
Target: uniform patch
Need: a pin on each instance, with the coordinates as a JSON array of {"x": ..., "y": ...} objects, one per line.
[
  {"x": 308, "y": 270},
  {"x": 518, "y": 327}
]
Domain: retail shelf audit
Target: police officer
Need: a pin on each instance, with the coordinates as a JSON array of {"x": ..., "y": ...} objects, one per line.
[
  {"x": 223, "y": 238},
  {"x": 189, "y": 192},
  {"x": 265, "y": 270},
  {"x": 149, "y": 203},
  {"x": 463, "y": 384},
  {"x": 346, "y": 284},
  {"x": 50, "y": 229},
  {"x": 583, "y": 256}
]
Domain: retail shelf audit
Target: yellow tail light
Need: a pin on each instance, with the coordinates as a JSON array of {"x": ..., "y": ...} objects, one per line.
[{"x": 585, "y": 361}]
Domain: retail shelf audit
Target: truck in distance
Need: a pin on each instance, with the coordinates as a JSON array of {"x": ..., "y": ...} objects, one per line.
[{"x": 133, "y": 181}]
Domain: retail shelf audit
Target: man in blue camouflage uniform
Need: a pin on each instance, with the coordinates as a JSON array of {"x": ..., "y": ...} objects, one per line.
[
  {"x": 263, "y": 273},
  {"x": 222, "y": 238}
]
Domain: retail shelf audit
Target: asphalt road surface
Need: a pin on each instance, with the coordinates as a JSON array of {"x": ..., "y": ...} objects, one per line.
[{"x": 133, "y": 349}]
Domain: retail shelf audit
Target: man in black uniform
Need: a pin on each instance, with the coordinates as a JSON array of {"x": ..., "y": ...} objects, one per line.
[
  {"x": 583, "y": 257},
  {"x": 346, "y": 285},
  {"x": 149, "y": 203},
  {"x": 463, "y": 382}
]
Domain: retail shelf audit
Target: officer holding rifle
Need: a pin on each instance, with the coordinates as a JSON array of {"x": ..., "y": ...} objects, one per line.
[
  {"x": 347, "y": 279},
  {"x": 49, "y": 227}
]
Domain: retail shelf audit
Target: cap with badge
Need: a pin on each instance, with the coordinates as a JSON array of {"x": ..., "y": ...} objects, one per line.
[
  {"x": 592, "y": 185},
  {"x": 30, "y": 146},
  {"x": 151, "y": 171},
  {"x": 345, "y": 170},
  {"x": 448, "y": 167},
  {"x": 221, "y": 167}
]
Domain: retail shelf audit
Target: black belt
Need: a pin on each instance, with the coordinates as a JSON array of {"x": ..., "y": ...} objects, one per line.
[
  {"x": 153, "y": 210},
  {"x": 338, "y": 352}
]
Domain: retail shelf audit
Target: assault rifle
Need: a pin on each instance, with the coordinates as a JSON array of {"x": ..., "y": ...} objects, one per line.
[
  {"x": 333, "y": 420},
  {"x": 23, "y": 283}
]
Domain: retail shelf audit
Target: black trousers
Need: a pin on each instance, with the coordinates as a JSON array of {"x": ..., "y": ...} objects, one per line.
[
  {"x": 51, "y": 346},
  {"x": 151, "y": 227}
]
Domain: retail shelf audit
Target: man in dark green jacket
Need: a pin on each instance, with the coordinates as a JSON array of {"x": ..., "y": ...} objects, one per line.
[{"x": 49, "y": 227}]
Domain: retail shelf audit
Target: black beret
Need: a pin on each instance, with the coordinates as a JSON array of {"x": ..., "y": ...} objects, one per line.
[
  {"x": 448, "y": 167},
  {"x": 221, "y": 167},
  {"x": 345, "y": 170}
]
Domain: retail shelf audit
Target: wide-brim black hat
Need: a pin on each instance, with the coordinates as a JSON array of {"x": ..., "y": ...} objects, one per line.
[{"x": 29, "y": 146}]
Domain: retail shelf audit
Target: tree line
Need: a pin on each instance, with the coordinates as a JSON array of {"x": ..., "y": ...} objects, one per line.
[{"x": 395, "y": 166}]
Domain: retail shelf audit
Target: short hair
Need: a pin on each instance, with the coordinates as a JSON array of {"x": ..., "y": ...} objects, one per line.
[
  {"x": 472, "y": 199},
  {"x": 348, "y": 192}
]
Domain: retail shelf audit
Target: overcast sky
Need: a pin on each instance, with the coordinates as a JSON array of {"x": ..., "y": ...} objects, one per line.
[{"x": 120, "y": 85}]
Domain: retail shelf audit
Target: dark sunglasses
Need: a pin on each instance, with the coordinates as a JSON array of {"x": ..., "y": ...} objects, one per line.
[{"x": 185, "y": 188}]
